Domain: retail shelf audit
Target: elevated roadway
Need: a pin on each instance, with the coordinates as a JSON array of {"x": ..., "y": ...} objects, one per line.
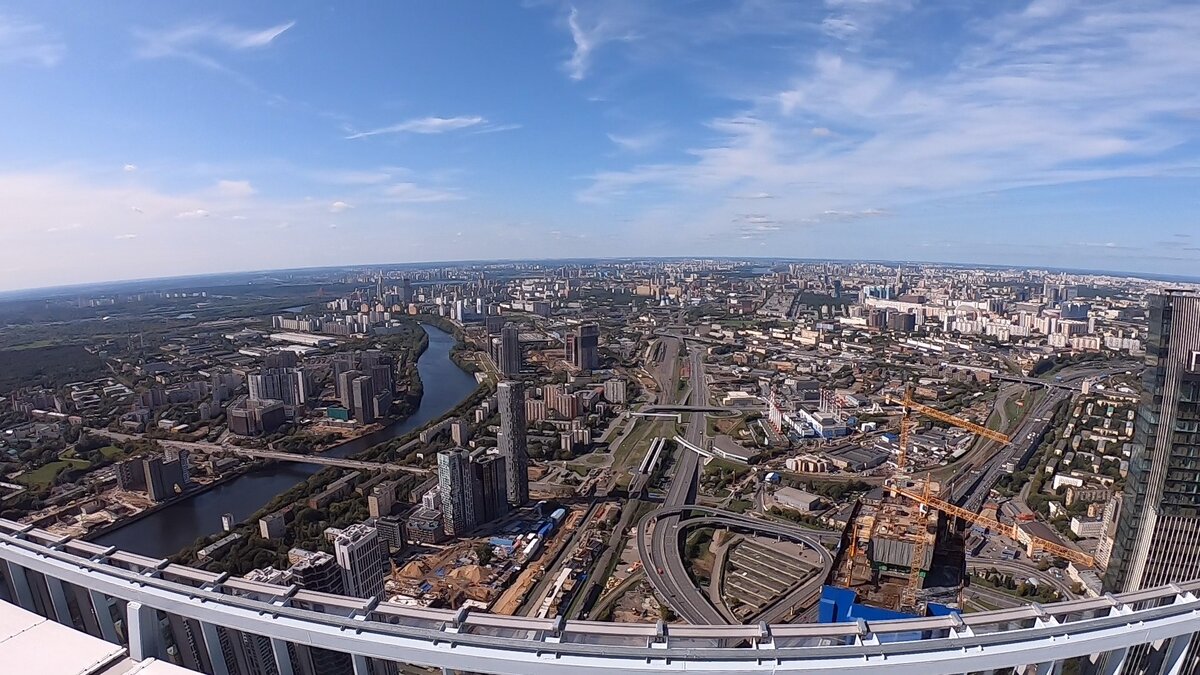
[{"x": 674, "y": 583}]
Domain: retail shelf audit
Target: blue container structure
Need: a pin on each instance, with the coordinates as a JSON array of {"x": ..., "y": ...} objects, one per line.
[{"x": 841, "y": 605}]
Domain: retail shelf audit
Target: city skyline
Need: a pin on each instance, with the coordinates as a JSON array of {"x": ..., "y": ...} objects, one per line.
[{"x": 272, "y": 136}]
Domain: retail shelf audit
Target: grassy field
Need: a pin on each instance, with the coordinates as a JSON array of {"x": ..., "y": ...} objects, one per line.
[{"x": 43, "y": 475}]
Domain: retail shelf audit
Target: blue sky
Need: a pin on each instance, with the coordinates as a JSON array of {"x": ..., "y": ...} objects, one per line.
[{"x": 149, "y": 138}]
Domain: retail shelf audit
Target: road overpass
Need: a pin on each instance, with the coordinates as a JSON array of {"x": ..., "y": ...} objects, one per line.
[
  {"x": 676, "y": 587},
  {"x": 674, "y": 583},
  {"x": 254, "y": 453},
  {"x": 214, "y": 623}
]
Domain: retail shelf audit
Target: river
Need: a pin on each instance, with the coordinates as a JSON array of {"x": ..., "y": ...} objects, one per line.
[{"x": 165, "y": 532}]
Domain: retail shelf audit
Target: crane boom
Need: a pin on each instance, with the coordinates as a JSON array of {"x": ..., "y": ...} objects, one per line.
[
  {"x": 1009, "y": 531},
  {"x": 906, "y": 425},
  {"x": 977, "y": 429}
]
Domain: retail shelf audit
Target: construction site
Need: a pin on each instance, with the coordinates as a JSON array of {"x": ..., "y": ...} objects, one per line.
[
  {"x": 904, "y": 549},
  {"x": 489, "y": 573},
  {"x": 889, "y": 539}
]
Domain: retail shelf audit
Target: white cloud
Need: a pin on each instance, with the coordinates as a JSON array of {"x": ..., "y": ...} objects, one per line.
[
  {"x": 1021, "y": 101},
  {"x": 234, "y": 188},
  {"x": 495, "y": 128},
  {"x": 578, "y": 64},
  {"x": 192, "y": 40},
  {"x": 656, "y": 34},
  {"x": 64, "y": 228},
  {"x": 424, "y": 125},
  {"x": 839, "y": 27},
  {"x": 127, "y": 235},
  {"x": 339, "y": 206},
  {"x": 41, "y": 211},
  {"x": 23, "y": 43},
  {"x": 637, "y": 142},
  {"x": 413, "y": 193},
  {"x": 129, "y": 168}
]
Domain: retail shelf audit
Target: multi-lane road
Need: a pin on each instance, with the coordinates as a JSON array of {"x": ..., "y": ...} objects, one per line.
[
  {"x": 661, "y": 548},
  {"x": 673, "y": 583}
]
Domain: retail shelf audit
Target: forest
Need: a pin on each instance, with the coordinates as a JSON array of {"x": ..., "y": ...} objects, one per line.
[{"x": 48, "y": 367}]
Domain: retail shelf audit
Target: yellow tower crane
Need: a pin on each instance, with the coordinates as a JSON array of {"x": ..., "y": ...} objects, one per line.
[{"x": 907, "y": 422}]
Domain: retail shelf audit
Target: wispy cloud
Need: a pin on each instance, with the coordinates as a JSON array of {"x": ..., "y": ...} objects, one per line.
[
  {"x": 638, "y": 142},
  {"x": 585, "y": 41},
  {"x": 193, "y": 213},
  {"x": 64, "y": 228},
  {"x": 1019, "y": 101},
  {"x": 413, "y": 193},
  {"x": 424, "y": 125},
  {"x": 27, "y": 43},
  {"x": 194, "y": 41},
  {"x": 653, "y": 33},
  {"x": 339, "y": 206},
  {"x": 129, "y": 168}
]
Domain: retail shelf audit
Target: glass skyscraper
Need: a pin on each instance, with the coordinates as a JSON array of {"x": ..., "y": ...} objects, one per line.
[{"x": 1157, "y": 538}]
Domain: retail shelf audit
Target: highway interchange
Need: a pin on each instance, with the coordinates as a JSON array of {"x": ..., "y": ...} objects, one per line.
[
  {"x": 660, "y": 546},
  {"x": 661, "y": 534}
]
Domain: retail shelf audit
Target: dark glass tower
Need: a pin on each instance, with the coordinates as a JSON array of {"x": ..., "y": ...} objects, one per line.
[
  {"x": 511, "y": 440},
  {"x": 1158, "y": 530}
]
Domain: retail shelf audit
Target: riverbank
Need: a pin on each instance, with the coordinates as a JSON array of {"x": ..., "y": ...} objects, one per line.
[
  {"x": 175, "y": 528},
  {"x": 190, "y": 494}
]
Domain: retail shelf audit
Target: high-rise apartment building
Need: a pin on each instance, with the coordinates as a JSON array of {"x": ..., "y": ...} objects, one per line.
[
  {"x": 363, "y": 392},
  {"x": 316, "y": 571},
  {"x": 510, "y": 351},
  {"x": 381, "y": 367},
  {"x": 1157, "y": 538},
  {"x": 283, "y": 358},
  {"x": 489, "y": 473},
  {"x": 456, "y": 485},
  {"x": 344, "y": 380},
  {"x": 615, "y": 391},
  {"x": 339, "y": 365},
  {"x": 162, "y": 479},
  {"x": 583, "y": 347},
  {"x": 510, "y": 398},
  {"x": 289, "y": 385},
  {"x": 362, "y": 555},
  {"x": 247, "y": 417}
]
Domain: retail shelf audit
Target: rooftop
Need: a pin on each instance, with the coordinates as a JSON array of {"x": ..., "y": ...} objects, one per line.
[{"x": 32, "y": 644}]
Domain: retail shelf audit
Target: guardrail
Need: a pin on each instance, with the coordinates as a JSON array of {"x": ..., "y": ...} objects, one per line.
[{"x": 221, "y": 624}]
